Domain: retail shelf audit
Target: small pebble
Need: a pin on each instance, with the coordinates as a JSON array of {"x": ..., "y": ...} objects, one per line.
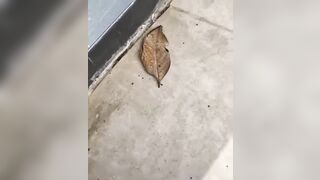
[
  {"x": 132, "y": 83},
  {"x": 208, "y": 106},
  {"x": 196, "y": 24}
]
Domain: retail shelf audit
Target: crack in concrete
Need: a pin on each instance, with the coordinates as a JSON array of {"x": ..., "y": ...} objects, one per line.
[{"x": 202, "y": 19}]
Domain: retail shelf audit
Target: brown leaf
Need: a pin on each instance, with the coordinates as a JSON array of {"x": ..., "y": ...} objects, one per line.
[{"x": 155, "y": 56}]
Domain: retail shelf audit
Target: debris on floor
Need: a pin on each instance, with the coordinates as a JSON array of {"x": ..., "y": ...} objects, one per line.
[{"x": 155, "y": 56}]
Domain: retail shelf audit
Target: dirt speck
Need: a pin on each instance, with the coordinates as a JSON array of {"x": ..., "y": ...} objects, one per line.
[
  {"x": 208, "y": 106},
  {"x": 132, "y": 83}
]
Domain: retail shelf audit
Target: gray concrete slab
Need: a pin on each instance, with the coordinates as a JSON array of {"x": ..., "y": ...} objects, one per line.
[{"x": 182, "y": 130}]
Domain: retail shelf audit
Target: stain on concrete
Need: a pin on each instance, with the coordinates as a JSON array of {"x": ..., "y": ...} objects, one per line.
[{"x": 106, "y": 113}]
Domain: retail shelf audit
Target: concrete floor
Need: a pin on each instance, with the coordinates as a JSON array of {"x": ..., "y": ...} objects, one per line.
[{"x": 182, "y": 130}]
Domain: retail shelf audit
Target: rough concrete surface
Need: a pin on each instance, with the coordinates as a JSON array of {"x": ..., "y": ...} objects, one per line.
[{"x": 182, "y": 130}]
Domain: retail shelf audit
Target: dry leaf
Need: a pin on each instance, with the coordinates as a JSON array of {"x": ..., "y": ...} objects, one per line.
[{"x": 155, "y": 56}]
